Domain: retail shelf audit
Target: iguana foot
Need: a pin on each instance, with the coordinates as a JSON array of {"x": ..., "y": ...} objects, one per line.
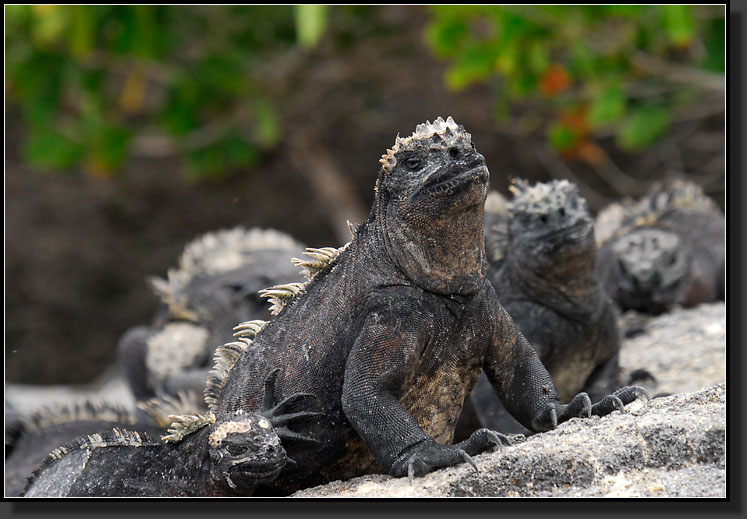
[
  {"x": 554, "y": 414},
  {"x": 281, "y": 414},
  {"x": 428, "y": 456},
  {"x": 618, "y": 400}
]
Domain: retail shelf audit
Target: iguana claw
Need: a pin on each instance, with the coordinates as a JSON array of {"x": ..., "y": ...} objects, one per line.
[{"x": 618, "y": 400}]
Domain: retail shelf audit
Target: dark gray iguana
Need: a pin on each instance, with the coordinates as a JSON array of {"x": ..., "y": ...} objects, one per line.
[
  {"x": 34, "y": 436},
  {"x": 666, "y": 249},
  {"x": 541, "y": 262},
  {"x": 392, "y": 330},
  {"x": 199, "y": 456},
  {"x": 214, "y": 287}
]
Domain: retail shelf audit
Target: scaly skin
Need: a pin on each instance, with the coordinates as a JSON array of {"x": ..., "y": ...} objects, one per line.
[
  {"x": 392, "y": 336},
  {"x": 542, "y": 257},
  {"x": 214, "y": 458}
]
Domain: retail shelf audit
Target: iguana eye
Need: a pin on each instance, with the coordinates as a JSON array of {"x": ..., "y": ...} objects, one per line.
[
  {"x": 413, "y": 163},
  {"x": 453, "y": 152}
]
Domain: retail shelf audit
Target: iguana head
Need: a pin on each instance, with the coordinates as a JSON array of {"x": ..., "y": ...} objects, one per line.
[
  {"x": 429, "y": 204},
  {"x": 245, "y": 451},
  {"x": 549, "y": 222},
  {"x": 649, "y": 270}
]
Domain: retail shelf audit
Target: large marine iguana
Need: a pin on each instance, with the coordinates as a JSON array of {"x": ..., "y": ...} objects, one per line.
[
  {"x": 666, "y": 249},
  {"x": 392, "y": 333},
  {"x": 541, "y": 261},
  {"x": 214, "y": 286}
]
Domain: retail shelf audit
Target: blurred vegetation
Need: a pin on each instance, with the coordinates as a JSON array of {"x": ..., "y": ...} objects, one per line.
[
  {"x": 97, "y": 84},
  {"x": 620, "y": 70}
]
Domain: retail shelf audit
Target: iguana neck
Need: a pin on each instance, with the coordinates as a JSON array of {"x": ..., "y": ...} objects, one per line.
[
  {"x": 568, "y": 285},
  {"x": 444, "y": 255}
]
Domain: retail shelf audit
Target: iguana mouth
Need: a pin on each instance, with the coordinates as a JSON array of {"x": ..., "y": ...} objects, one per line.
[{"x": 447, "y": 181}]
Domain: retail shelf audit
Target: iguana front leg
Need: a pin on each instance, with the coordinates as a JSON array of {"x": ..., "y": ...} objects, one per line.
[
  {"x": 526, "y": 388},
  {"x": 385, "y": 355}
]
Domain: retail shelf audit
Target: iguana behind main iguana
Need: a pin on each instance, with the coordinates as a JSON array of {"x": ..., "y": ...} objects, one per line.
[
  {"x": 214, "y": 287},
  {"x": 541, "y": 260},
  {"x": 666, "y": 249}
]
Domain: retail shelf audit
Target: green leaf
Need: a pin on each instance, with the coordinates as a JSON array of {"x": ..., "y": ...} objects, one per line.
[
  {"x": 445, "y": 37},
  {"x": 715, "y": 44},
  {"x": 608, "y": 106},
  {"x": 537, "y": 57},
  {"x": 679, "y": 23},
  {"x": 47, "y": 148},
  {"x": 643, "y": 126},
  {"x": 476, "y": 64},
  {"x": 82, "y": 30},
  {"x": 311, "y": 22},
  {"x": 562, "y": 137},
  {"x": 267, "y": 125}
]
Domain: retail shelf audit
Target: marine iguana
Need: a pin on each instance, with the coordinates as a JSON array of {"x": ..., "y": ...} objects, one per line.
[
  {"x": 541, "y": 261},
  {"x": 214, "y": 286},
  {"x": 200, "y": 456},
  {"x": 34, "y": 436},
  {"x": 666, "y": 249},
  {"x": 392, "y": 330}
]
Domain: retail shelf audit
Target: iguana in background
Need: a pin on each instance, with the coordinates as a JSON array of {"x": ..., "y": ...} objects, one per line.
[
  {"x": 198, "y": 456},
  {"x": 541, "y": 260},
  {"x": 392, "y": 330},
  {"x": 666, "y": 249},
  {"x": 214, "y": 287}
]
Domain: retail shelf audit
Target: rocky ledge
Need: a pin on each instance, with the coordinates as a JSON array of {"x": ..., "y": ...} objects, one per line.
[{"x": 669, "y": 447}]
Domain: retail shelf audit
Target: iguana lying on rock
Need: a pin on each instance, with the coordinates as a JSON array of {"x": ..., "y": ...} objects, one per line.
[
  {"x": 541, "y": 260},
  {"x": 200, "y": 455},
  {"x": 214, "y": 287},
  {"x": 36, "y": 435},
  {"x": 392, "y": 330},
  {"x": 667, "y": 249}
]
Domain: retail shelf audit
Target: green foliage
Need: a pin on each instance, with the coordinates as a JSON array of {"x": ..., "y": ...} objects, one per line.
[
  {"x": 605, "y": 59},
  {"x": 98, "y": 83}
]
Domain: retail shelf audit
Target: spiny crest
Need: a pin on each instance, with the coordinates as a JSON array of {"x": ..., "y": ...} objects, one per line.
[
  {"x": 450, "y": 131},
  {"x": 114, "y": 438},
  {"x": 225, "y": 358},
  {"x": 249, "y": 329},
  {"x": 159, "y": 409},
  {"x": 540, "y": 198},
  {"x": 320, "y": 260},
  {"x": 184, "y": 425},
  {"x": 619, "y": 218},
  {"x": 225, "y": 250},
  {"x": 679, "y": 194},
  {"x": 280, "y": 295},
  {"x": 215, "y": 253},
  {"x": 55, "y": 414}
]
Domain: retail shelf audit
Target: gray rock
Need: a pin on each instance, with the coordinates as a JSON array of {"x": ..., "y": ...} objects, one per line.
[
  {"x": 671, "y": 446},
  {"x": 685, "y": 350}
]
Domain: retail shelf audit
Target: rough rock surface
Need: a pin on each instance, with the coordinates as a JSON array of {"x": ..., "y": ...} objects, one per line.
[
  {"x": 672, "y": 447},
  {"x": 685, "y": 350}
]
